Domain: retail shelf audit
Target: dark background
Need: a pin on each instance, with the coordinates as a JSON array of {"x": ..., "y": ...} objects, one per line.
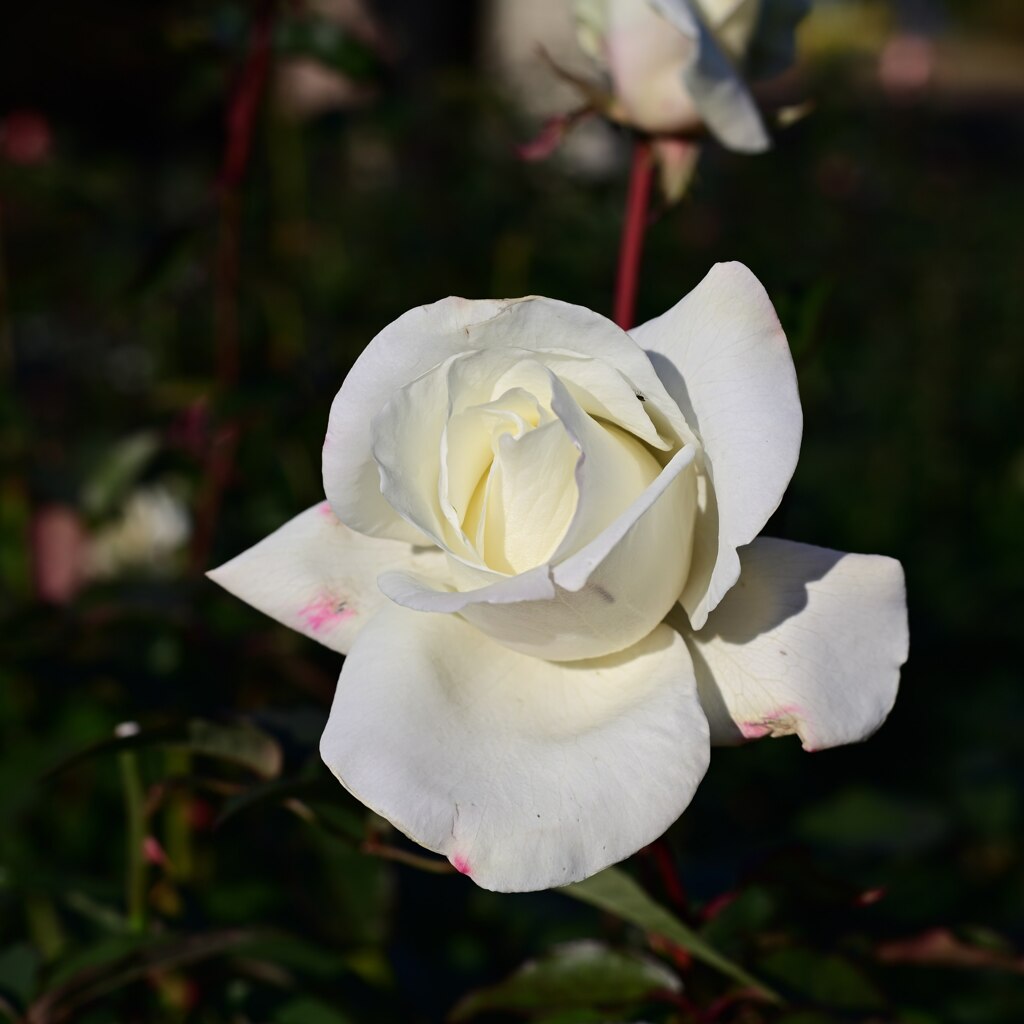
[{"x": 177, "y": 309}]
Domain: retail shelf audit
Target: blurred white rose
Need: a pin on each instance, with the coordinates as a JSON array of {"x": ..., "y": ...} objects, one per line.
[
  {"x": 149, "y": 532},
  {"x": 679, "y": 66}
]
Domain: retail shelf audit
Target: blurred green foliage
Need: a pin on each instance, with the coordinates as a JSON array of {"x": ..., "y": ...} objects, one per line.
[{"x": 877, "y": 883}]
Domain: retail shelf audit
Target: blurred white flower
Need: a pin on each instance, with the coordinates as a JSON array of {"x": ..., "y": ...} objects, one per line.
[
  {"x": 150, "y": 531},
  {"x": 673, "y": 69}
]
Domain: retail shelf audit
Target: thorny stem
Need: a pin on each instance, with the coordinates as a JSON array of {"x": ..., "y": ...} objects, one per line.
[{"x": 633, "y": 229}]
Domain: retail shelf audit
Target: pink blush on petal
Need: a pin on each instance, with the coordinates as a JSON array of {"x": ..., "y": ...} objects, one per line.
[
  {"x": 779, "y": 722},
  {"x": 461, "y": 864},
  {"x": 324, "y": 612}
]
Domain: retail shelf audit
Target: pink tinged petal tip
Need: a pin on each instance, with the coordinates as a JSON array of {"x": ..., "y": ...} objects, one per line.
[
  {"x": 325, "y": 612},
  {"x": 324, "y": 508},
  {"x": 461, "y": 864},
  {"x": 782, "y": 721}
]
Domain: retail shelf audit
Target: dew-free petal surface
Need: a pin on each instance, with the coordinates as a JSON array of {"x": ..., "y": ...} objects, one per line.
[
  {"x": 428, "y": 335},
  {"x": 526, "y": 774},
  {"x": 317, "y": 576},
  {"x": 716, "y": 87},
  {"x": 723, "y": 357},
  {"x": 810, "y": 641},
  {"x": 601, "y": 599}
]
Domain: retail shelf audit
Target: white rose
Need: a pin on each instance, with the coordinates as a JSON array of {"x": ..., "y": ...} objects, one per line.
[
  {"x": 533, "y": 489},
  {"x": 677, "y": 65}
]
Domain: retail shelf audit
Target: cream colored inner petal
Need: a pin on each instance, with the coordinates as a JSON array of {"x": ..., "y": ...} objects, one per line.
[
  {"x": 603, "y": 392},
  {"x": 531, "y": 500},
  {"x": 533, "y": 455},
  {"x": 467, "y": 446},
  {"x": 615, "y": 470},
  {"x": 508, "y": 487}
]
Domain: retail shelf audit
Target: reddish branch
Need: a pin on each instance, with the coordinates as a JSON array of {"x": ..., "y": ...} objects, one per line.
[
  {"x": 633, "y": 231},
  {"x": 661, "y": 854},
  {"x": 243, "y": 107}
]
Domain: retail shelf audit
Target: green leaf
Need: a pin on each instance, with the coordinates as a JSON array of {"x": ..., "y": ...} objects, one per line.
[
  {"x": 305, "y": 1010},
  {"x": 274, "y": 791},
  {"x": 806, "y": 1017},
  {"x": 574, "y": 1017},
  {"x": 330, "y": 44},
  {"x": 98, "y": 913},
  {"x": 826, "y": 979},
  {"x": 311, "y": 959},
  {"x": 242, "y": 744},
  {"x": 861, "y": 819},
  {"x": 90, "y": 983},
  {"x": 19, "y": 965},
  {"x": 578, "y": 975},
  {"x": 122, "y": 465},
  {"x": 614, "y": 891},
  {"x": 745, "y": 916}
]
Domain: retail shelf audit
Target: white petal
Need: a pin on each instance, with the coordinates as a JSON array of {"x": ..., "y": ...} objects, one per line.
[
  {"x": 526, "y": 774},
  {"x": 427, "y": 336},
  {"x": 646, "y": 53},
  {"x": 809, "y": 641},
  {"x": 723, "y": 356},
  {"x": 680, "y": 13},
  {"x": 716, "y": 87},
  {"x": 609, "y": 594},
  {"x": 317, "y": 576},
  {"x": 406, "y": 447},
  {"x": 425, "y": 593},
  {"x": 532, "y": 498},
  {"x": 614, "y": 469},
  {"x": 604, "y": 393}
]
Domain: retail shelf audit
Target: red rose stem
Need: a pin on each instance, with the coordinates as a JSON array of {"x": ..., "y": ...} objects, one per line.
[
  {"x": 243, "y": 107},
  {"x": 633, "y": 229}
]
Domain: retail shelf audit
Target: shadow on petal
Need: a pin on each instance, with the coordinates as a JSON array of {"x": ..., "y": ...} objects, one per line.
[{"x": 768, "y": 600}]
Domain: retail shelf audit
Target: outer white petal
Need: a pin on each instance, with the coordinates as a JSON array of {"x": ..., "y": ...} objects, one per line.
[
  {"x": 526, "y": 774},
  {"x": 716, "y": 87},
  {"x": 601, "y": 599},
  {"x": 425, "y": 337},
  {"x": 646, "y": 52},
  {"x": 403, "y": 351},
  {"x": 809, "y": 641},
  {"x": 317, "y": 576},
  {"x": 723, "y": 356}
]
